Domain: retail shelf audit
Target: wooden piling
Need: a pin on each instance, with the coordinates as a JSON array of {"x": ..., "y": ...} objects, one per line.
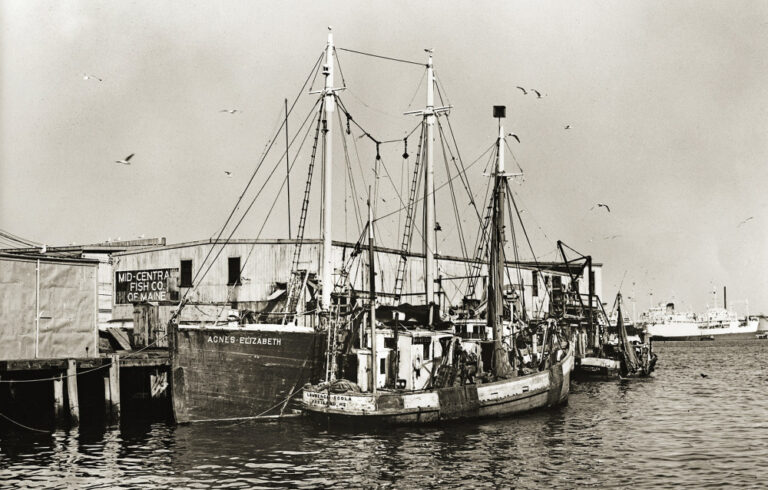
[
  {"x": 74, "y": 404},
  {"x": 112, "y": 390},
  {"x": 58, "y": 397}
]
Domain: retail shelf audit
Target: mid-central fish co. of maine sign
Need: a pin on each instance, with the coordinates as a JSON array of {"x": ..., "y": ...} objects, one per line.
[{"x": 155, "y": 285}]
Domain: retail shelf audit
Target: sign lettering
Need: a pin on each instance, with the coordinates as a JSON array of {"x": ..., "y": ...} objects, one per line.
[{"x": 155, "y": 285}]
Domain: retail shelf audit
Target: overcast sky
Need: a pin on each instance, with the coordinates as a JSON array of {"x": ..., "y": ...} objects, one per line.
[{"x": 667, "y": 104}]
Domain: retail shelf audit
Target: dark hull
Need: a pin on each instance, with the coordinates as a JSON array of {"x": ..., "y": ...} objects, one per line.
[
  {"x": 231, "y": 373},
  {"x": 586, "y": 372}
]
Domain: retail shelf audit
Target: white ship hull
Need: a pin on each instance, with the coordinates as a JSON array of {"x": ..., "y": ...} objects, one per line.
[{"x": 692, "y": 330}]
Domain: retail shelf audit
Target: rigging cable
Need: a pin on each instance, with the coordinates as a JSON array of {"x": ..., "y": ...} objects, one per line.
[
  {"x": 247, "y": 186},
  {"x": 382, "y": 57},
  {"x": 441, "y": 185}
]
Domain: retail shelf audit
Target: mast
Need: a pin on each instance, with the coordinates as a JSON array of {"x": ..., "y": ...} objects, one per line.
[
  {"x": 495, "y": 308},
  {"x": 328, "y": 109},
  {"x": 372, "y": 290},
  {"x": 429, "y": 114},
  {"x": 429, "y": 188}
]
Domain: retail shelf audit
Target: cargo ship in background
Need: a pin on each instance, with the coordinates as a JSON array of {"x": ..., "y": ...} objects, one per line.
[{"x": 663, "y": 322}]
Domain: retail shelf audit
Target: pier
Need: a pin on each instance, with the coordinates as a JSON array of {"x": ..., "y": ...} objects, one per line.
[{"x": 68, "y": 389}]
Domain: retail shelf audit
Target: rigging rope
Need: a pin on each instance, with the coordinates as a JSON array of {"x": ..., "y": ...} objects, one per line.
[
  {"x": 247, "y": 186},
  {"x": 382, "y": 57}
]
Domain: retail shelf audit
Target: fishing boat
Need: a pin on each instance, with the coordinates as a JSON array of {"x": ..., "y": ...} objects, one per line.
[
  {"x": 246, "y": 337},
  {"x": 524, "y": 366},
  {"x": 613, "y": 353}
]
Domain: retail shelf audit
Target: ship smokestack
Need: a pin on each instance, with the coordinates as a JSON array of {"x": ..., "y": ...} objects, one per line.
[{"x": 725, "y": 298}]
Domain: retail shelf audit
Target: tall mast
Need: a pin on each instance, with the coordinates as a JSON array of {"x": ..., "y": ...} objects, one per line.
[
  {"x": 429, "y": 188},
  {"x": 495, "y": 315},
  {"x": 328, "y": 109},
  {"x": 372, "y": 289}
]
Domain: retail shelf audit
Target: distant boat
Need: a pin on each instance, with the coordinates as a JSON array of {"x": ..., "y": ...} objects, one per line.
[{"x": 665, "y": 323}]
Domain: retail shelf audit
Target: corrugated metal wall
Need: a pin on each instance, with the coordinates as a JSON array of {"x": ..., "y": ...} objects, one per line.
[
  {"x": 265, "y": 264},
  {"x": 67, "y": 309}
]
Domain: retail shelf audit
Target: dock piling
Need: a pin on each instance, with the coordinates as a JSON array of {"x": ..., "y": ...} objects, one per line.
[
  {"x": 74, "y": 404},
  {"x": 58, "y": 397},
  {"x": 112, "y": 390}
]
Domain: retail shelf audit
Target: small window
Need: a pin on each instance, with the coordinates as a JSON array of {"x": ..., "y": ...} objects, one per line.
[
  {"x": 233, "y": 274},
  {"x": 557, "y": 283},
  {"x": 186, "y": 273},
  {"x": 382, "y": 366},
  {"x": 535, "y": 283}
]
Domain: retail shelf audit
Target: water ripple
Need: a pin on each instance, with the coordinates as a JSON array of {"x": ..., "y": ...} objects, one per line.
[{"x": 678, "y": 429}]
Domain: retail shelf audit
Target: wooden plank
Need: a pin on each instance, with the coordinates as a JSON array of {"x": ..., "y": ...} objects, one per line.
[
  {"x": 120, "y": 337},
  {"x": 145, "y": 362},
  {"x": 74, "y": 404}
]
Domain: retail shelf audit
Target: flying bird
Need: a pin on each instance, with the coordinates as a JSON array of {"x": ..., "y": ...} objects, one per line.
[
  {"x": 703, "y": 375},
  {"x": 514, "y": 136},
  {"x": 525, "y": 92},
  {"x": 127, "y": 160},
  {"x": 567, "y": 126},
  {"x": 538, "y": 94},
  {"x": 91, "y": 77},
  {"x": 601, "y": 205},
  {"x": 611, "y": 237},
  {"x": 748, "y": 219},
  {"x": 231, "y": 111},
  {"x": 229, "y": 174}
]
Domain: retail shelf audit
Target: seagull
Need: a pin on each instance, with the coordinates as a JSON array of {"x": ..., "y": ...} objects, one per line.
[
  {"x": 567, "y": 126},
  {"x": 611, "y": 237},
  {"x": 127, "y": 160},
  {"x": 748, "y": 219},
  {"x": 514, "y": 136},
  {"x": 538, "y": 94},
  {"x": 601, "y": 205},
  {"x": 525, "y": 92},
  {"x": 229, "y": 174},
  {"x": 703, "y": 375},
  {"x": 89, "y": 77},
  {"x": 231, "y": 111}
]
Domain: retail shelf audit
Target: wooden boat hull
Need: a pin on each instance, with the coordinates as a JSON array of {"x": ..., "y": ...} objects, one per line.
[
  {"x": 596, "y": 368},
  {"x": 498, "y": 399},
  {"x": 240, "y": 372}
]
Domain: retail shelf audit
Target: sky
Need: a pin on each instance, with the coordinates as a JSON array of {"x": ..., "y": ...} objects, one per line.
[{"x": 667, "y": 104}]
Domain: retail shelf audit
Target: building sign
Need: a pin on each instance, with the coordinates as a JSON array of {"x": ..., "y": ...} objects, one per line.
[{"x": 155, "y": 285}]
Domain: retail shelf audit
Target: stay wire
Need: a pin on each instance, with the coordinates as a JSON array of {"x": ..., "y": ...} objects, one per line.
[
  {"x": 247, "y": 210},
  {"x": 272, "y": 207},
  {"x": 441, "y": 185},
  {"x": 382, "y": 57},
  {"x": 250, "y": 180}
]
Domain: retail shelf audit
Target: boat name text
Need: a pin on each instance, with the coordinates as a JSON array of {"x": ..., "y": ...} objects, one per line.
[{"x": 231, "y": 339}]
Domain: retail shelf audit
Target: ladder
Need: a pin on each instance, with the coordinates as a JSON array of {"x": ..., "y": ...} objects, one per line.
[
  {"x": 296, "y": 280},
  {"x": 477, "y": 263},
  {"x": 408, "y": 229}
]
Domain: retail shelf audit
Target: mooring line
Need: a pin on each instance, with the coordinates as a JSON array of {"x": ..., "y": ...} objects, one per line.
[{"x": 22, "y": 425}]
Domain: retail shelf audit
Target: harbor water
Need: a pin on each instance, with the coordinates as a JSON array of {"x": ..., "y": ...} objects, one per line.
[{"x": 701, "y": 421}]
